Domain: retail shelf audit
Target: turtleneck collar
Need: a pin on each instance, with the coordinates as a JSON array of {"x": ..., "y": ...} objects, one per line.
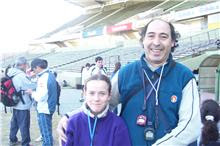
[
  {"x": 149, "y": 68},
  {"x": 86, "y": 110}
]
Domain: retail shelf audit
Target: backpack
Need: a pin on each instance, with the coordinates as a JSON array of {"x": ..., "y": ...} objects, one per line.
[
  {"x": 9, "y": 96},
  {"x": 58, "y": 97}
]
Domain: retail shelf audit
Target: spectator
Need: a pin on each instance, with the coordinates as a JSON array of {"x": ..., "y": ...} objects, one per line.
[
  {"x": 105, "y": 128},
  {"x": 99, "y": 67},
  {"x": 64, "y": 84},
  {"x": 46, "y": 98},
  {"x": 85, "y": 73},
  {"x": 85, "y": 76},
  {"x": 210, "y": 115},
  {"x": 21, "y": 112},
  {"x": 117, "y": 67},
  {"x": 160, "y": 100}
]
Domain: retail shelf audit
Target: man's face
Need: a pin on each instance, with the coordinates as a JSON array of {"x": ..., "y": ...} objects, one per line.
[
  {"x": 157, "y": 42},
  {"x": 36, "y": 69},
  {"x": 24, "y": 67},
  {"x": 99, "y": 63}
]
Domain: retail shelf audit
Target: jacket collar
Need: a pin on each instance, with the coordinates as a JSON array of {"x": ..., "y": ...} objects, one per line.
[
  {"x": 169, "y": 64},
  {"x": 100, "y": 115},
  {"x": 42, "y": 72}
]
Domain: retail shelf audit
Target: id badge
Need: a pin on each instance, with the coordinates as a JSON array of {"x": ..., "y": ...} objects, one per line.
[{"x": 141, "y": 120}]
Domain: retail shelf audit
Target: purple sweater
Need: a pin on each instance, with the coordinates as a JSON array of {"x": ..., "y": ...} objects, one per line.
[{"x": 110, "y": 131}]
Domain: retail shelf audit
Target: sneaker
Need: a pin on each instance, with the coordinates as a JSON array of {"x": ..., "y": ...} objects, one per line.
[
  {"x": 14, "y": 143},
  {"x": 38, "y": 139}
]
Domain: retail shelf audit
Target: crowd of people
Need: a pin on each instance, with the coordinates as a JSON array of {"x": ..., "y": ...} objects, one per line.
[{"x": 159, "y": 98}]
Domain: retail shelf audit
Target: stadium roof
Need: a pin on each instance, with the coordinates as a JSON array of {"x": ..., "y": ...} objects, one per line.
[{"x": 110, "y": 12}]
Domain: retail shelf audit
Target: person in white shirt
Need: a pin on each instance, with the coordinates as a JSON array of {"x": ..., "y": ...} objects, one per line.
[
  {"x": 99, "y": 67},
  {"x": 46, "y": 97},
  {"x": 85, "y": 75}
]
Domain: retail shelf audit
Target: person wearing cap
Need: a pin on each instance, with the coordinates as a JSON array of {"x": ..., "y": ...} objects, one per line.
[
  {"x": 21, "y": 112},
  {"x": 46, "y": 98}
]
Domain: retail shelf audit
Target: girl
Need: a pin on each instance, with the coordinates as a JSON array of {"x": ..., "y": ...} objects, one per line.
[{"x": 96, "y": 125}]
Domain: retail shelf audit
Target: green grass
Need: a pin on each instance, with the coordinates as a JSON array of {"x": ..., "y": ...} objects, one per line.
[
  {"x": 69, "y": 101},
  {"x": 34, "y": 129}
]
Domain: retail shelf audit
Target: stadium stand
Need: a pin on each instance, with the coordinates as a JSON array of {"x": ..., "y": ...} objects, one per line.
[
  {"x": 108, "y": 13},
  {"x": 74, "y": 60}
]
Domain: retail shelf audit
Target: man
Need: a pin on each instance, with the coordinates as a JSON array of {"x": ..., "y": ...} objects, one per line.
[
  {"x": 46, "y": 98},
  {"x": 99, "y": 67},
  {"x": 21, "y": 112},
  {"x": 159, "y": 96}
]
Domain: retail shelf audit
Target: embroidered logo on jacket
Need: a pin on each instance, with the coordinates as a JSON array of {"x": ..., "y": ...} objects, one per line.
[{"x": 173, "y": 99}]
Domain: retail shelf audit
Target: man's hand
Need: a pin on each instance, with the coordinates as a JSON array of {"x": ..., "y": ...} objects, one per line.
[{"x": 61, "y": 128}]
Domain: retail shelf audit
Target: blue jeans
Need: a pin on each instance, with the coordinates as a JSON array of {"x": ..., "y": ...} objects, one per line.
[
  {"x": 20, "y": 120},
  {"x": 45, "y": 123}
]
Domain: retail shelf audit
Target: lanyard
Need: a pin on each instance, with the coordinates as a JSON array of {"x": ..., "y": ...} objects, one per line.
[
  {"x": 156, "y": 92},
  {"x": 91, "y": 130},
  {"x": 153, "y": 85},
  {"x": 148, "y": 95}
]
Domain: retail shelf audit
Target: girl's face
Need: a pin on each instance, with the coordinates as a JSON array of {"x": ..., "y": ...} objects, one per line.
[{"x": 97, "y": 95}]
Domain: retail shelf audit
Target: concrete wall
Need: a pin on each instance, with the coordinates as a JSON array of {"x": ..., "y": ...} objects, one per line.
[{"x": 72, "y": 78}]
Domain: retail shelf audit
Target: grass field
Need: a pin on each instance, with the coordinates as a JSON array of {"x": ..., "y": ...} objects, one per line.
[
  {"x": 69, "y": 100},
  {"x": 34, "y": 130}
]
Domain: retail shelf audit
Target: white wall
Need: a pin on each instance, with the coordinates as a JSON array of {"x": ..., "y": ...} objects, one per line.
[{"x": 72, "y": 78}]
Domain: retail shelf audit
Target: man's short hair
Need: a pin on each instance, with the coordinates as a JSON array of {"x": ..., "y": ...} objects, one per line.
[
  {"x": 98, "y": 58},
  {"x": 20, "y": 61},
  {"x": 39, "y": 62}
]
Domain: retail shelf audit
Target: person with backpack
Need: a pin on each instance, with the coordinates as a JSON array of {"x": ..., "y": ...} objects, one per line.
[
  {"x": 21, "y": 111},
  {"x": 40, "y": 138},
  {"x": 46, "y": 97}
]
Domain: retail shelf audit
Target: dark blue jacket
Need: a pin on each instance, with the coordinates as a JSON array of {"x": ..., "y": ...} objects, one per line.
[{"x": 174, "y": 78}]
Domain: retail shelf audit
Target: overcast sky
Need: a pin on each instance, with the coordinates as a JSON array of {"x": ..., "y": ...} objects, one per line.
[{"x": 23, "y": 20}]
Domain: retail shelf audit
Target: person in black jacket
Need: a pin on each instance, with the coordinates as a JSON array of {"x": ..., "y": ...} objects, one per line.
[{"x": 210, "y": 115}]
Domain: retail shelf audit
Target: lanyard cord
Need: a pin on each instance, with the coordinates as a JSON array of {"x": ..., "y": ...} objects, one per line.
[
  {"x": 91, "y": 131},
  {"x": 148, "y": 95},
  {"x": 158, "y": 85}
]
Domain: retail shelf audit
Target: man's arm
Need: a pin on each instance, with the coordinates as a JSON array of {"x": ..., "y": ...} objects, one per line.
[
  {"x": 189, "y": 125},
  {"x": 62, "y": 125}
]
